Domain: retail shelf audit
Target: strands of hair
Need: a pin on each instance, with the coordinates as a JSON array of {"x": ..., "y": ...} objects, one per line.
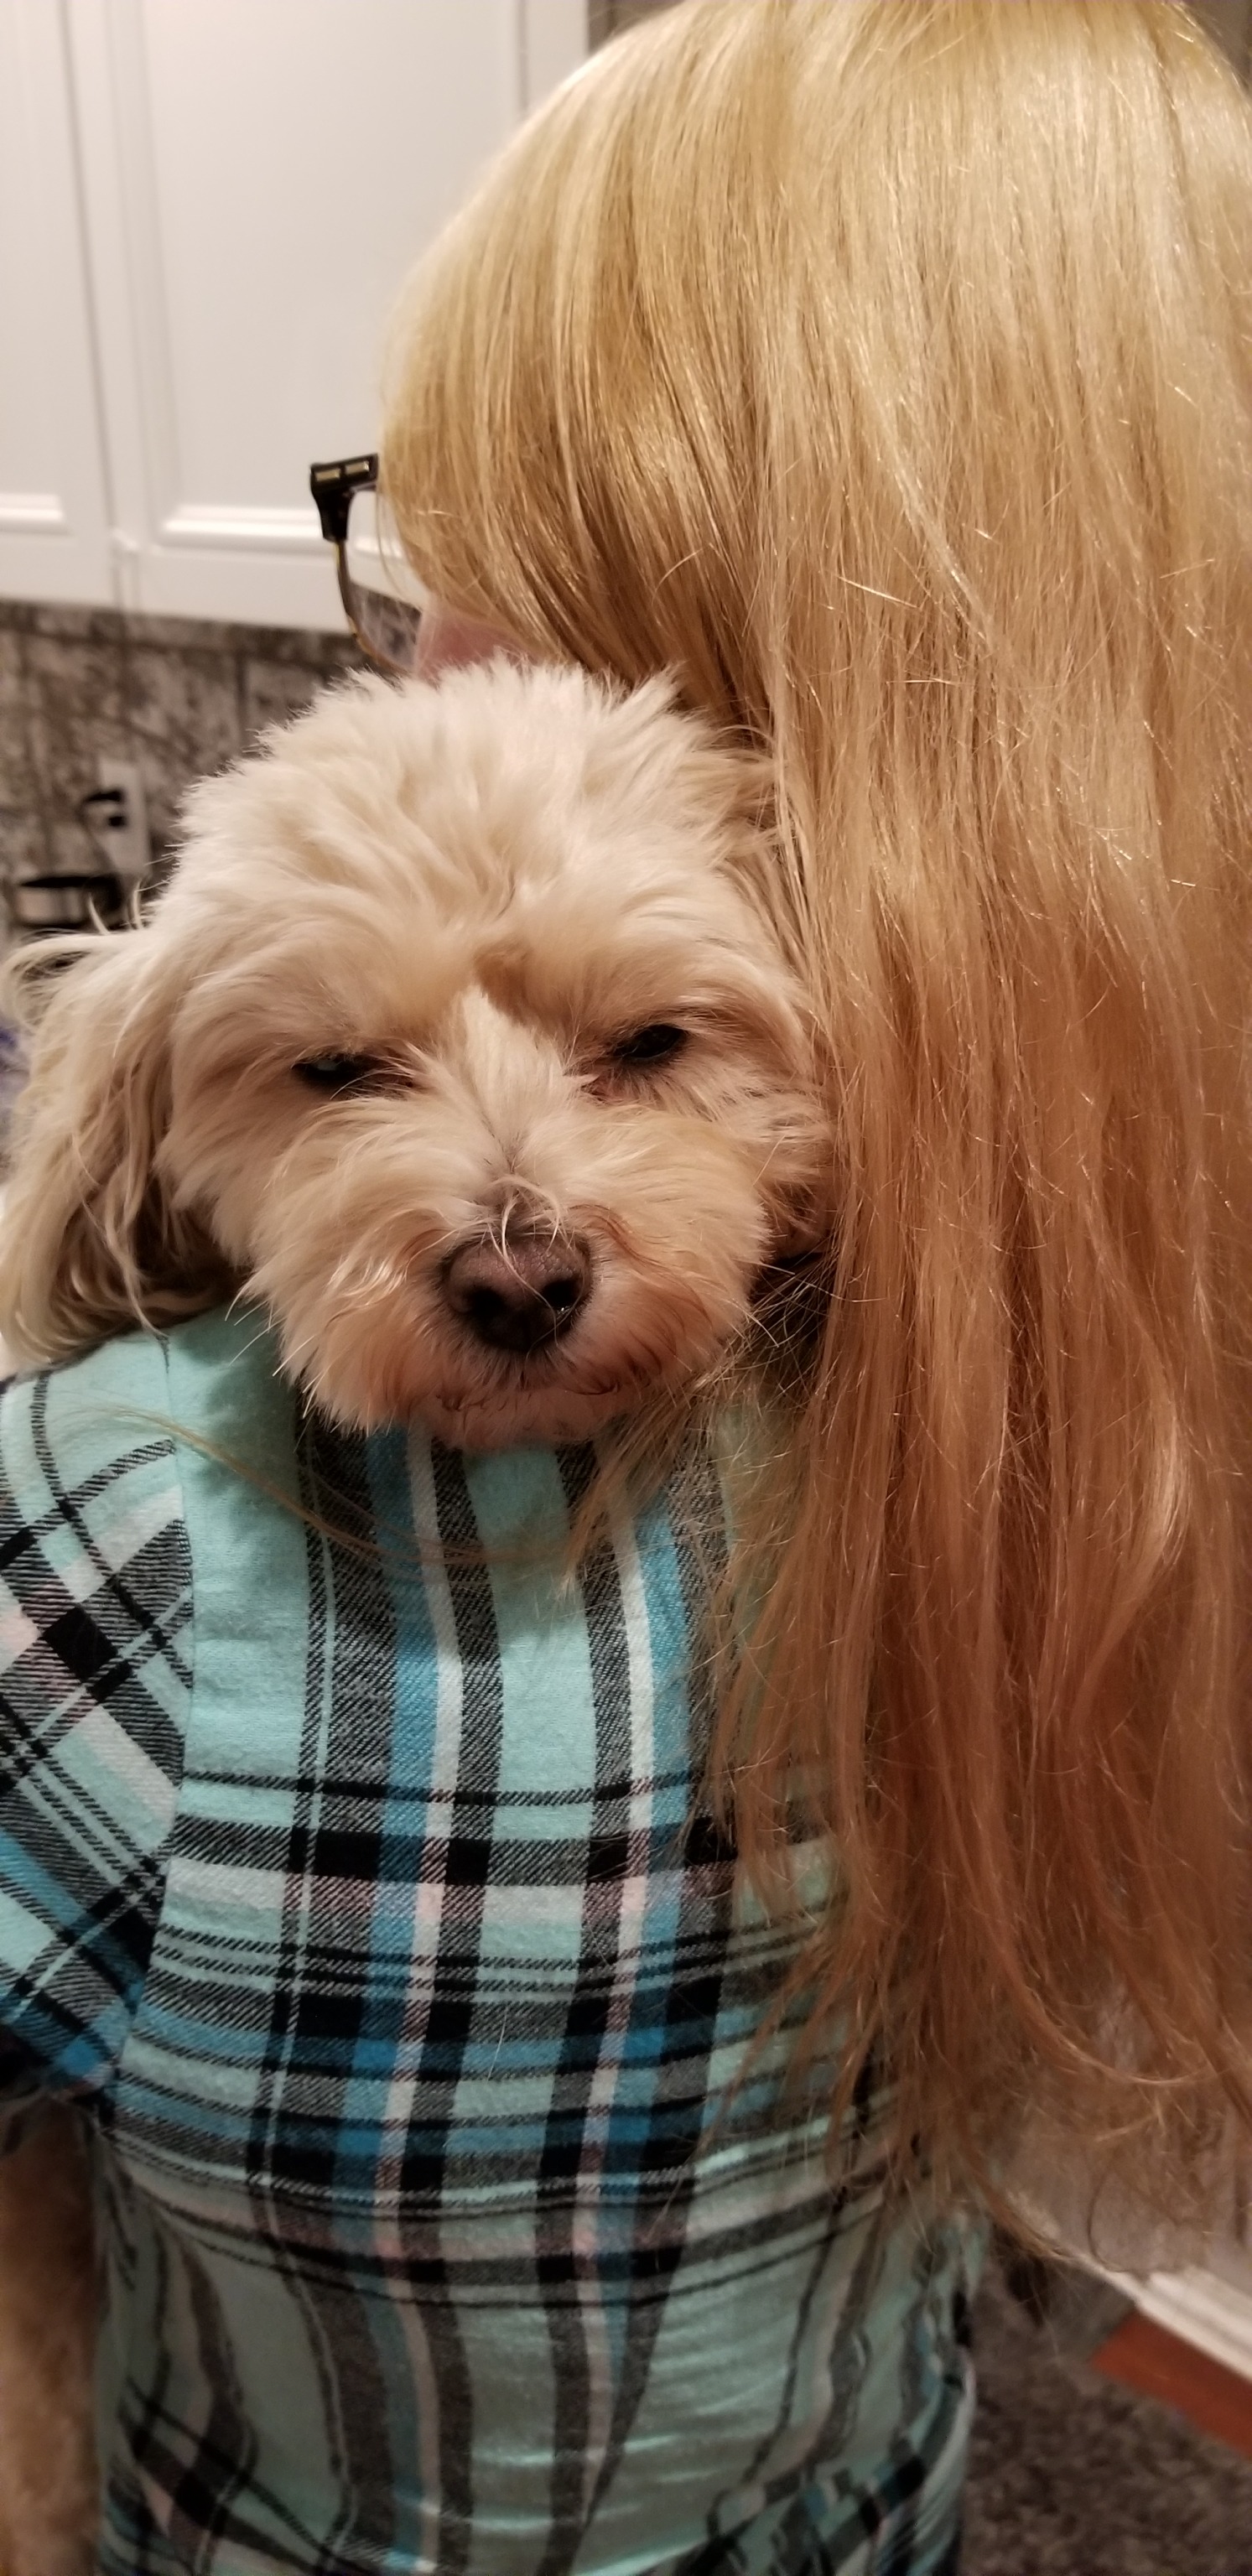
[{"x": 920, "y": 446}]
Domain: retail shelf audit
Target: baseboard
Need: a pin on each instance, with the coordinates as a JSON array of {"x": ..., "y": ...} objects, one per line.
[{"x": 1205, "y": 2311}]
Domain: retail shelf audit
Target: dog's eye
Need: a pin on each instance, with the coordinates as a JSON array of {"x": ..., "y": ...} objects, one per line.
[
  {"x": 337, "y": 1072},
  {"x": 659, "y": 1043}
]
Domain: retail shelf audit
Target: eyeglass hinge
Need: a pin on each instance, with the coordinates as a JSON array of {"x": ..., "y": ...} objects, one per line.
[{"x": 333, "y": 485}]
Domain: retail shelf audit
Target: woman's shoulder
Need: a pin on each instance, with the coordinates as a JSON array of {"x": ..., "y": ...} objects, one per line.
[
  {"x": 86, "y": 1412},
  {"x": 71, "y": 1432},
  {"x": 94, "y": 1450},
  {"x": 281, "y": 1510}
]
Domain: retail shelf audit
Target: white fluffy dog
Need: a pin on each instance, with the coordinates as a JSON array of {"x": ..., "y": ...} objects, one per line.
[{"x": 460, "y": 1041}]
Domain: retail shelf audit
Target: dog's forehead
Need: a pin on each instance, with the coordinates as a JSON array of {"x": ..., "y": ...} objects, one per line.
[
  {"x": 566, "y": 930},
  {"x": 521, "y": 841},
  {"x": 525, "y": 833},
  {"x": 564, "y": 939},
  {"x": 501, "y": 776},
  {"x": 532, "y": 838}
]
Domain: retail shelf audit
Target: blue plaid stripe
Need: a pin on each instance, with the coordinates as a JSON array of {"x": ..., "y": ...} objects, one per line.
[{"x": 439, "y": 2235}]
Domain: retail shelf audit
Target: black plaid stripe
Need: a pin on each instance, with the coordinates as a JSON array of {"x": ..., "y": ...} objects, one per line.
[
  {"x": 322, "y": 1988},
  {"x": 343, "y": 1857},
  {"x": 455, "y": 1985},
  {"x": 92, "y": 1645},
  {"x": 605, "y": 1860},
  {"x": 700, "y": 1954},
  {"x": 468, "y": 1857},
  {"x": 113, "y": 1641},
  {"x": 140, "y": 1603}
]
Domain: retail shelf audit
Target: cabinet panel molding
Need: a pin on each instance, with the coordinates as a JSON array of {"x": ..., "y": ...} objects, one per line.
[
  {"x": 54, "y": 516},
  {"x": 257, "y": 184}
]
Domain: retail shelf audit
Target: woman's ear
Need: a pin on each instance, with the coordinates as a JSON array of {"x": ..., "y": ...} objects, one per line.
[
  {"x": 90, "y": 1242},
  {"x": 447, "y": 640}
]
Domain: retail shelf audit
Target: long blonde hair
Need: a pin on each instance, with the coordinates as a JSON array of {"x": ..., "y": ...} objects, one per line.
[{"x": 883, "y": 367}]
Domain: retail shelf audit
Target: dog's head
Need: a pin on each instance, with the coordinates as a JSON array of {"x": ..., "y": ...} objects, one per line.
[{"x": 458, "y": 1040}]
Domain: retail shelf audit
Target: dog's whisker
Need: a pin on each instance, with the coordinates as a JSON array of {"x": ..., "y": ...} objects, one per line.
[{"x": 258, "y": 1338}]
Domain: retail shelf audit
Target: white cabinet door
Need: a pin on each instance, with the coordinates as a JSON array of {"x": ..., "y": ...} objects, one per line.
[
  {"x": 256, "y": 177},
  {"x": 54, "y": 517}
]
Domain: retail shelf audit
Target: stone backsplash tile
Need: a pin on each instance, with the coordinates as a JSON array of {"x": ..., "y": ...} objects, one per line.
[
  {"x": 179, "y": 698},
  {"x": 186, "y": 720},
  {"x": 74, "y": 707},
  {"x": 24, "y": 848},
  {"x": 17, "y": 777},
  {"x": 271, "y": 692}
]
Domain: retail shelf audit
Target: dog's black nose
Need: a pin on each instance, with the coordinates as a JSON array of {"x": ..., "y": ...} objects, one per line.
[{"x": 519, "y": 1293}]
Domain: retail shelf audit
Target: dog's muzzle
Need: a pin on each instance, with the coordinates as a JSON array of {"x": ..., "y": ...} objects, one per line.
[{"x": 519, "y": 1291}]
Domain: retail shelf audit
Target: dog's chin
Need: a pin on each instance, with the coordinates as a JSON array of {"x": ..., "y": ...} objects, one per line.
[
  {"x": 367, "y": 1381},
  {"x": 524, "y": 1418},
  {"x": 393, "y": 1356},
  {"x": 368, "y": 1373}
]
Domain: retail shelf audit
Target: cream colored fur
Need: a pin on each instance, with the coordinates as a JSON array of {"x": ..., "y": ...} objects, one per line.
[{"x": 483, "y": 888}]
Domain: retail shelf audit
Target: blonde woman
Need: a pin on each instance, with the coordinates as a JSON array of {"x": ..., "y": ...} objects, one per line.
[
  {"x": 884, "y": 371},
  {"x": 880, "y": 368}
]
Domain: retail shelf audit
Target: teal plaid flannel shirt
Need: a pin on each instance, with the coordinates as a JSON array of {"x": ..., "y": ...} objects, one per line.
[{"x": 353, "y": 1881}]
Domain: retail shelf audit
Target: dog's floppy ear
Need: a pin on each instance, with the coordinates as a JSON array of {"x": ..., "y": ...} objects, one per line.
[{"x": 90, "y": 1243}]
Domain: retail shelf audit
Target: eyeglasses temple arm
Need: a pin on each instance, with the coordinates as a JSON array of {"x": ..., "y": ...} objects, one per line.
[{"x": 333, "y": 487}]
